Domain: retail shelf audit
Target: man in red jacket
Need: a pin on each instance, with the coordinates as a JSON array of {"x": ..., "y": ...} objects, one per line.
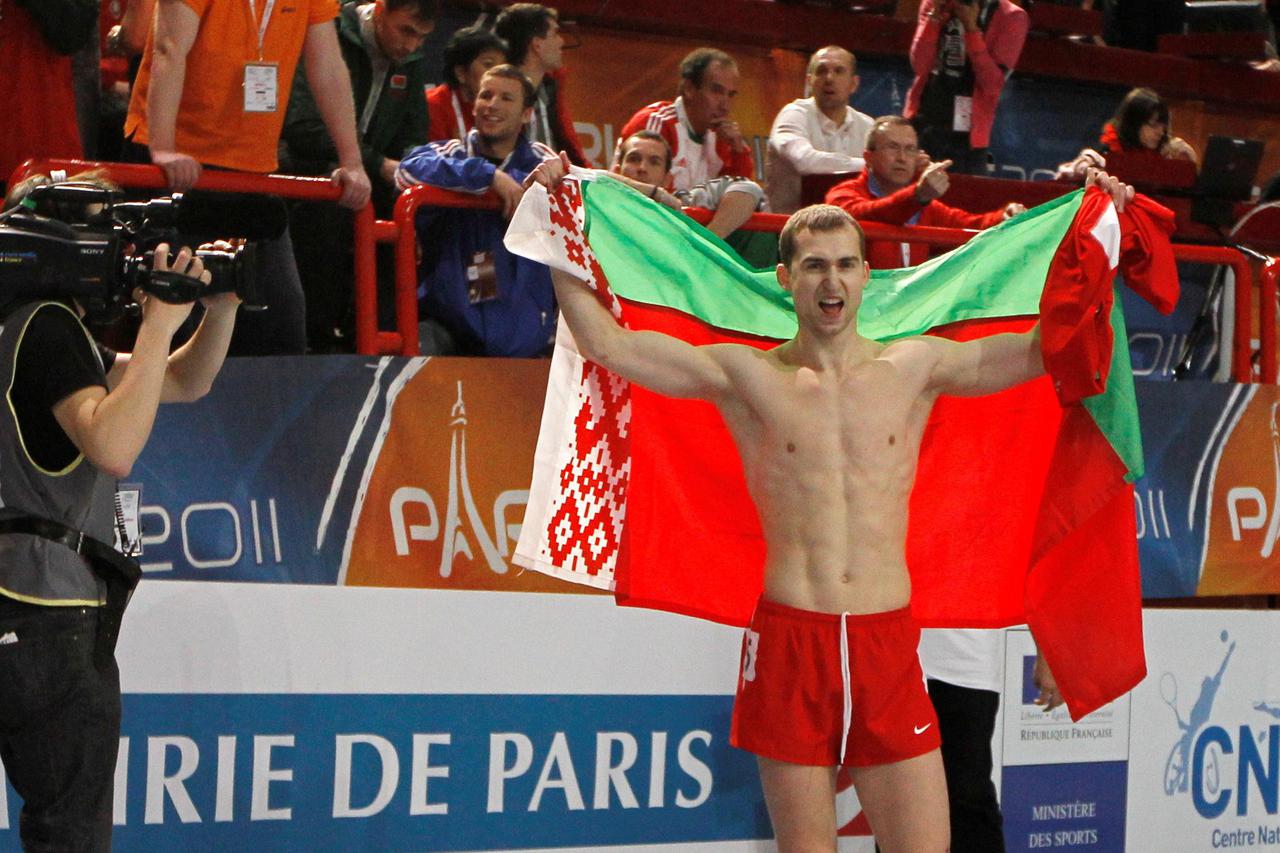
[
  {"x": 894, "y": 189},
  {"x": 705, "y": 142}
]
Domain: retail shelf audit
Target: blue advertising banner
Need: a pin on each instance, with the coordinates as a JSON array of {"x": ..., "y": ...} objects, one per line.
[
  {"x": 1184, "y": 428},
  {"x": 414, "y": 772},
  {"x": 295, "y": 470}
]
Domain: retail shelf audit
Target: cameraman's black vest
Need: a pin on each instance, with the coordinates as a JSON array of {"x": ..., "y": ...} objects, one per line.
[{"x": 80, "y": 496}]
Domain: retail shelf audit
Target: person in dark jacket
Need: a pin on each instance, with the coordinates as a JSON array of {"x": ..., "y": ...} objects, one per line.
[
  {"x": 535, "y": 45},
  {"x": 476, "y": 297},
  {"x": 381, "y": 45}
]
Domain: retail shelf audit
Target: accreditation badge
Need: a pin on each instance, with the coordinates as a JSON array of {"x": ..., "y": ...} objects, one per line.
[
  {"x": 962, "y": 116},
  {"x": 128, "y": 519},
  {"x": 261, "y": 87}
]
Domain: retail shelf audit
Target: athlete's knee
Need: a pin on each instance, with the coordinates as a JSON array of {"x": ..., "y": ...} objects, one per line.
[{"x": 810, "y": 844}]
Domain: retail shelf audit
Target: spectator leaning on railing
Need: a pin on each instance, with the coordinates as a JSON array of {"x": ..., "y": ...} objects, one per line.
[
  {"x": 381, "y": 44},
  {"x": 705, "y": 141},
  {"x": 817, "y": 135},
  {"x": 478, "y": 298},
  {"x": 901, "y": 187},
  {"x": 212, "y": 91},
  {"x": 644, "y": 161},
  {"x": 470, "y": 52}
]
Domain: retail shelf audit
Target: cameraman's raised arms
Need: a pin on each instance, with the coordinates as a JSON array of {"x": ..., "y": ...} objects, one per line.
[
  {"x": 193, "y": 366},
  {"x": 111, "y": 428}
]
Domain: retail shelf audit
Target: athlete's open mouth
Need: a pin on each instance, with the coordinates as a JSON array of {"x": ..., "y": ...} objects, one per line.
[{"x": 831, "y": 307}]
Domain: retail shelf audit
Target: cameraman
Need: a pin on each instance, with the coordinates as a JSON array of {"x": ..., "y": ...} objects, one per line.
[{"x": 72, "y": 402}]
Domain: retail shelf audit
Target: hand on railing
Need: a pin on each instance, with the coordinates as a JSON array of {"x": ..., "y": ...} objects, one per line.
[
  {"x": 354, "y": 184},
  {"x": 509, "y": 190},
  {"x": 181, "y": 171}
]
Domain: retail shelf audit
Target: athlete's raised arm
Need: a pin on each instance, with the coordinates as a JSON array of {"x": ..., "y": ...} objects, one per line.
[
  {"x": 658, "y": 362},
  {"x": 985, "y": 365}
]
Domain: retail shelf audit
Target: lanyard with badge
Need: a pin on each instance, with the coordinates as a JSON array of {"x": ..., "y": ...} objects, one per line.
[{"x": 261, "y": 79}]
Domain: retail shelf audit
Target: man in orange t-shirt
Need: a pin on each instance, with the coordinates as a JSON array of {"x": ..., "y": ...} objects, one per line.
[{"x": 239, "y": 57}]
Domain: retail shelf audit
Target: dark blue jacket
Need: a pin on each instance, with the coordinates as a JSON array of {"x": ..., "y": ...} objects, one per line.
[{"x": 521, "y": 321}]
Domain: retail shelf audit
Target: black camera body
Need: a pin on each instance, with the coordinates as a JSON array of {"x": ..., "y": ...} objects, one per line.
[{"x": 76, "y": 240}]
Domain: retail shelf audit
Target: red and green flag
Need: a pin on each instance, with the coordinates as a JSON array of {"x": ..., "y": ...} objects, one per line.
[{"x": 1023, "y": 508}]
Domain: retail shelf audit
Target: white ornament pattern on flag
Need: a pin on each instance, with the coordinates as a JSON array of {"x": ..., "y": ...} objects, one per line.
[{"x": 585, "y": 516}]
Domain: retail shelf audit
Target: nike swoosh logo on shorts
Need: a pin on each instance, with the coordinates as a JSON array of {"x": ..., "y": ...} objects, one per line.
[{"x": 922, "y": 729}]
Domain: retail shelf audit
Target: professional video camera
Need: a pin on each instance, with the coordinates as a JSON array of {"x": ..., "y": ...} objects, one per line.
[{"x": 79, "y": 240}]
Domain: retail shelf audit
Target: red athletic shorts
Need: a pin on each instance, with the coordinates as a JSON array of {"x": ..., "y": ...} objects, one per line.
[{"x": 801, "y": 701}]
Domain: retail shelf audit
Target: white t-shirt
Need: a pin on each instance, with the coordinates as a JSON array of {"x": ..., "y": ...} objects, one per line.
[
  {"x": 966, "y": 657},
  {"x": 804, "y": 141}
]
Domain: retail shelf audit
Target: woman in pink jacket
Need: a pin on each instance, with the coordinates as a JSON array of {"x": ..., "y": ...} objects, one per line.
[{"x": 962, "y": 53}]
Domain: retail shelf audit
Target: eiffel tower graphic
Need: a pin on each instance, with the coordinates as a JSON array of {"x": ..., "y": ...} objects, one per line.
[{"x": 455, "y": 539}]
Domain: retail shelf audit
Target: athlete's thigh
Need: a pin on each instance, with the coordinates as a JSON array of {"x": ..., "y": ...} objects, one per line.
[
  {"x": 906, "y": 803},
  {"x": 802, "y": 804}
]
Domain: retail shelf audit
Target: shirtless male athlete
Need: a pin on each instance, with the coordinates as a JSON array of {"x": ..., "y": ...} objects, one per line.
[{"x": 829, "y": 426}]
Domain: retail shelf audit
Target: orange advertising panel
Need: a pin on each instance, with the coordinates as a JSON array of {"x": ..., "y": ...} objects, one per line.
[
  {"x": 612, "y": 75},
  {"x": 1241, "y": 556},
  {"x": 448, "y": 482}
]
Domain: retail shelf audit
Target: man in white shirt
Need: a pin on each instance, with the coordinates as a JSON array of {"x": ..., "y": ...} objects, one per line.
[{"x": 817, "y": 135}]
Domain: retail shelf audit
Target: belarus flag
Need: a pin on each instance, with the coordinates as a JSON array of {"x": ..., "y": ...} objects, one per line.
[{"x": 1023, "y": 504}]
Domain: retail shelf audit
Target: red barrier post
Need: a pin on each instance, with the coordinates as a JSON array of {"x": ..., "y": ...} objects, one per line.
[
  {"x": 1267, "y": 318},
  {"x": 406, "y": 241},
  {"x": 1242, "y": 334}
]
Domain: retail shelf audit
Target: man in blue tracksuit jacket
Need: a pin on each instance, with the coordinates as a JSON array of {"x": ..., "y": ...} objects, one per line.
[{"x": 476, "y": 297}]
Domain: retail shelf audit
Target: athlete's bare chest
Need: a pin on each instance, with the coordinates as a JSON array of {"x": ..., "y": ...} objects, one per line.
[{"x": 826, "y": 420}]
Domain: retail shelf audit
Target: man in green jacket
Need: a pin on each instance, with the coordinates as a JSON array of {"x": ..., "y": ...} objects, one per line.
[{"x": 382, "y": 46}]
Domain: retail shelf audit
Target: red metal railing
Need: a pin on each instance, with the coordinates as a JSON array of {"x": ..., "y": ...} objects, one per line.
[
  {"x": 406, "y": 240},
  {"x": 1267, "y": 293},
  {"x": 404, "y": 340}
]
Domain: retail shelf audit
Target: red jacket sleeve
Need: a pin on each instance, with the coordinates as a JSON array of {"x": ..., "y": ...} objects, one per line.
[
  {"x": 640, "y": 121},
  {"x": 945, "y": 216},
  {"x": 895, "y": 209},
  {"x": 1146, "y": 256},
  {"x": 1075, "y": 309},
  {"x": 924, "y": 44},
  {"x": 637, "y": 122},
  {"x": 738, "y": 164}
]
